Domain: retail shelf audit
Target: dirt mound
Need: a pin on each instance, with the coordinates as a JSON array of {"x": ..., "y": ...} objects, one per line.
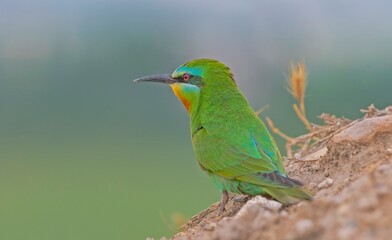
[{"x": 349, "y": 172}]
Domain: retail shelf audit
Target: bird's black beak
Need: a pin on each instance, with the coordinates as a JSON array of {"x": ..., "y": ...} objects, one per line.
[{"x": 161, "y": 78}]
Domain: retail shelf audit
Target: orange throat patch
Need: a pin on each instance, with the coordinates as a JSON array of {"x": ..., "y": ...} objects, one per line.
[{"x": 187, "y": 93}]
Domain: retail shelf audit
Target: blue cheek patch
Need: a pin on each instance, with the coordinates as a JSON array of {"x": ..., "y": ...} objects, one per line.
[{"x": 189, "y": 89}]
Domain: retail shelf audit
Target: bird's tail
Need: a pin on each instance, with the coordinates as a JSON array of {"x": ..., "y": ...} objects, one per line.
[
  {"x": 289, "y": 195},
  {"x": 280, "y": 187}
]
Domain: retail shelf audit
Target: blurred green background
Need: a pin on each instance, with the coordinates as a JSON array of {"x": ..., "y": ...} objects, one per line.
[{"x": 86, "y": 154}]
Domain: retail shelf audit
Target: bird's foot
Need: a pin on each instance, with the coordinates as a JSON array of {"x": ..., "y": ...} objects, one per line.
[{"x": 241, "y": 198}]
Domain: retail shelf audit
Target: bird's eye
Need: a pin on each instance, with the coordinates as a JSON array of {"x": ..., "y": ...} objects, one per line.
[{"x": 185, "y": 77}]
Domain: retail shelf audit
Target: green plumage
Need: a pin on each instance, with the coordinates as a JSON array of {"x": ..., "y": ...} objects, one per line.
[
  {"x": 230, "y": 141},
  {"x": 232, "y": 144}
]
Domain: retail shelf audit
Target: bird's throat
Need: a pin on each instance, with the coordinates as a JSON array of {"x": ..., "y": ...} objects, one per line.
[{"x": 187, "y": 93}]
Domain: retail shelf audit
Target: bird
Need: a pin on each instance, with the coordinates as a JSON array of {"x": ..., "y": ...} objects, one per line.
[{"x": 231, "y": 143}]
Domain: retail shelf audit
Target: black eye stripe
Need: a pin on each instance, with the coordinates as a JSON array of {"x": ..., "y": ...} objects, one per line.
[{"x": 181, "y": 77}]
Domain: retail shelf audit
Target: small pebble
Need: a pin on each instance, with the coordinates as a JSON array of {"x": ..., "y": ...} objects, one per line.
[
  {"x": 210, "y": 227},
  {"x": 297, "y": 156},
  {"x": 326, "y": 183},
  {"x": 258, "y": 204},
  {"x": 389, "y": 151}
]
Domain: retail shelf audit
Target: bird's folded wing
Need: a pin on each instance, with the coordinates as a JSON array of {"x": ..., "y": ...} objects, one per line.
[{"x": 232, "y": 159}]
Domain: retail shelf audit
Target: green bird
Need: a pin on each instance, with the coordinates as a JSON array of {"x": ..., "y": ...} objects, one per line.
[{"x": 232, "y": 145}]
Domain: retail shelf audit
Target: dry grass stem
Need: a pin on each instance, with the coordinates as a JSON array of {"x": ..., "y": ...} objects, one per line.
[
  {"x": 262, "y": 109},
  {"x": 297, "y": 88},
  {"x": 289, "y": 149},
  {"x": 302, "y": 117},
  {"x": 298, "y": 82},
  {"x": 277, "y": 131}
]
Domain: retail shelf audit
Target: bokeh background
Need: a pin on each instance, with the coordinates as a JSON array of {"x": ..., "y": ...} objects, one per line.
[{"x": 86, "y": 154}]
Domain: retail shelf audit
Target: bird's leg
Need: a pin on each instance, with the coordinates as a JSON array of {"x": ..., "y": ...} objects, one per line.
[{"x": 225, "y": 198}]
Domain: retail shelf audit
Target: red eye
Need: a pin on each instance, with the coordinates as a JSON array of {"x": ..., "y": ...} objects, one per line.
[{"x": 185, "y": 77}]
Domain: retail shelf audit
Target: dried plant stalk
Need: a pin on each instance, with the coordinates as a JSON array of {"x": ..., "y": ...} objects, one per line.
[
  {"x": 277, "y": 131},
  {"x": 298, "y": 82},
  {"x": 302, "y": 117},
  {"x": 297, "y": 88},
  {"x": 262, "y": 109}
]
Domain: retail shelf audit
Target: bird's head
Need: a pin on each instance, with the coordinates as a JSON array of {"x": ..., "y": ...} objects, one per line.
[{"x": 193, "y": 78}]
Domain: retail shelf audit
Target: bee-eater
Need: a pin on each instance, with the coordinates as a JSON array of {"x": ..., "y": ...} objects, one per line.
[{"x": 232, "y": 145}]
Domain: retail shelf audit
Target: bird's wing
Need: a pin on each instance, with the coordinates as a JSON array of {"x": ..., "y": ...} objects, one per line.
[{"x": 242, "y": 155}]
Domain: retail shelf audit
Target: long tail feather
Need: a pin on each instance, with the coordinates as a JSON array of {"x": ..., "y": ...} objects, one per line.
[{"x": 288, "y": 195}]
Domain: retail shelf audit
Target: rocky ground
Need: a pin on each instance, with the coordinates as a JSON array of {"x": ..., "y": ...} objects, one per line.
[{"x": 350, "y": 172}]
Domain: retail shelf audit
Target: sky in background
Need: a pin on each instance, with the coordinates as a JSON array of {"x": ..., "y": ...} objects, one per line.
[{"x": 86, "y": 154}]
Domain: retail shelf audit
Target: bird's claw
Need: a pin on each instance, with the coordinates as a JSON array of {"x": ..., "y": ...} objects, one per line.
[{"x": 241, "y": 198}]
